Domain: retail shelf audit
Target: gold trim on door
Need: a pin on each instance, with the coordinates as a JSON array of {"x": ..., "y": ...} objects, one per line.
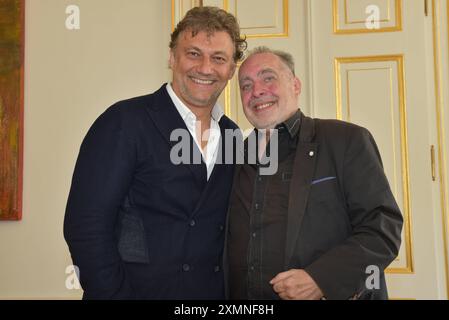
[
  {"x": 357, "y": 22},
  {"x": 442, "y": 170},
  {"x": 338, "y": 30},
  {"x": 399, "y": 59},
  {"x": 284, "y": 33}
]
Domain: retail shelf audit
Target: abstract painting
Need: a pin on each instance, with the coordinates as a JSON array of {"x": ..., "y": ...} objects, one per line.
[{"x": 11, "y": 107}]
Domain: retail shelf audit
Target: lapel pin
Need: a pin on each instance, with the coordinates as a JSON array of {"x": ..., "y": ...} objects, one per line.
[{"x": 311, "y": 153}]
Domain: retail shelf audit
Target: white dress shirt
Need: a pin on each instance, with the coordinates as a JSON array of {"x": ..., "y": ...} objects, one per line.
[{"x": 209, "y": 155}]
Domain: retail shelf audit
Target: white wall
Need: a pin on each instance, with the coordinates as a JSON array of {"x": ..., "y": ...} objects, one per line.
[{"x": 71, "y": 77}]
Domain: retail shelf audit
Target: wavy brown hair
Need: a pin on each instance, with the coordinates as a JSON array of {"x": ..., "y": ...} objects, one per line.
[{"x": 210, "y": 20}]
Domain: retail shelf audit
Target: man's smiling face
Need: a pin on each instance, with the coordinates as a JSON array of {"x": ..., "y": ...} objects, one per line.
[
  {"x": 268, "y": 89},
  {"x": 202, "y": 66}
]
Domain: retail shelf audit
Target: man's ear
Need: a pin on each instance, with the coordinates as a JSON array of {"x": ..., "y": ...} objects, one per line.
[
  {"x": 234, "y": 67},
  {"x": 171, "y": 59},
  {"x": 297, "y": 85}
]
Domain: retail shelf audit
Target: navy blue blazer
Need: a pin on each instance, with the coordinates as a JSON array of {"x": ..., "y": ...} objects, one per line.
[{"x": 138, "y": 226}]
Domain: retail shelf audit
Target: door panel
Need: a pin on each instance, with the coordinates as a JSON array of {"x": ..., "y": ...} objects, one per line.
[{"x": 382, "y": 79}]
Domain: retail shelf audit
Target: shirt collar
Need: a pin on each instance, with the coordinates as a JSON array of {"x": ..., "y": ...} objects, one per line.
[
  {"x": 216, "y": 114},
  {"x": 292, "y": 124}
]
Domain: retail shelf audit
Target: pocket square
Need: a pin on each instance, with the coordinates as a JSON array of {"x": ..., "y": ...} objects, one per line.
[{"x": 323, "y": 180}]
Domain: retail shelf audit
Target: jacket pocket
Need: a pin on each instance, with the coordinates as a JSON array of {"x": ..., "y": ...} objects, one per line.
[
  {"x": 132, "y": 244},
  {"x": 323, "y": 190}
]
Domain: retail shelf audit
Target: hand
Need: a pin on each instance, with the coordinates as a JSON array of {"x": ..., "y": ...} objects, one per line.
[{"x": 296, "y": 284}]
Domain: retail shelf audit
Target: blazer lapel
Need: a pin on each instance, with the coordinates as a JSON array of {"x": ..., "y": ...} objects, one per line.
[
  {"x": 303, "y": 170},
  {"x": 167, "y": 119}
]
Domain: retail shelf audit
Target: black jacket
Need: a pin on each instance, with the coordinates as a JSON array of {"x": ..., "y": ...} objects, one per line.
[
  {"x": 138, "y": 226},
  {"x": 342, "y": 216}
]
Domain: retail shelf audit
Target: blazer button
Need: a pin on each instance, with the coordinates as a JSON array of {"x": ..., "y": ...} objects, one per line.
[
  {"x": 217, "y": 269},
  {"x": 192, "y": 223},
  {"x": 221, "y": 227},
  {"x": 185, "y": 267}
]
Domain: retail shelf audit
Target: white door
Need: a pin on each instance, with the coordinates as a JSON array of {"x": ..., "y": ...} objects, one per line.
[
  {"x": 379, "y": 75},
  {"x": 382, "y": 79}
]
